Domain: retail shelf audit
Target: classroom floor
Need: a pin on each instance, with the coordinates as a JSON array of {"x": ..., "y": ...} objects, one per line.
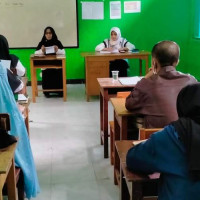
[{"x": 66, "y": 146}]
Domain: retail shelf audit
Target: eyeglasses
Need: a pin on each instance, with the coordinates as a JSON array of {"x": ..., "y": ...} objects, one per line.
[{"x": 48, "y": 33}]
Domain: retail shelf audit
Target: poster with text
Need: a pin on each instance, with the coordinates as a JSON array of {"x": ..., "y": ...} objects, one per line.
[
  {"x": 132, "y": 6},
  {"x": 115, "y": 10}
]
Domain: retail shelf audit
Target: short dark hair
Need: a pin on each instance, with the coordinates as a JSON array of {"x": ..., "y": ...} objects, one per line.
[{"x": 166, "y": 52}]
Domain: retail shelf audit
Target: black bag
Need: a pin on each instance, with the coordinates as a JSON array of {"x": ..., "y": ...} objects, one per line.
[
  {"x": 6, "y": 139},
  {"x": 52, "y": 79},
  {"x": 119, "y": 65}
]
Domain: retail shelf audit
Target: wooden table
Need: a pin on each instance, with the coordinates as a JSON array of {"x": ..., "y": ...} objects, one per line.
[
  {"x": 47, "y": 62},
  {"x": 108, "y": 89},
  {"x": 7, "y": 171},
  {"x": 121, "y": 117},
  {"x": 130, "y": 183},
  {"x": 97, "y": 66}
]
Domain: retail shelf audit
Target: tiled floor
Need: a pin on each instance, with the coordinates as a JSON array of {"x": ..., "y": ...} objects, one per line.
[{"x": 66, "y": 147}]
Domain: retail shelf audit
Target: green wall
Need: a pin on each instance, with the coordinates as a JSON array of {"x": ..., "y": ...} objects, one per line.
[
  {"x": 159, "y": 20},
  {"x": 193, "y": 46}
]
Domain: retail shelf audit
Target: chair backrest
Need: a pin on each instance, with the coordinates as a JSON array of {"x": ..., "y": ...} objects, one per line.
[
  {"x": 123, "y": 94},
  {"x": 145, "y": 133},
  {"x": 5, "y": 121}
]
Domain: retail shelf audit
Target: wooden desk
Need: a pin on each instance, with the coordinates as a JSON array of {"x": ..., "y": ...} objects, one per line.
[
  {"x": 121, "y": 116},
  {"x": 45, "y": 63},
  {"x": 108, "y": 89},
  {"x": 97, "y": 66},
  {"x": 7, "y": 171},
  {"x": 130, "y": 183}
]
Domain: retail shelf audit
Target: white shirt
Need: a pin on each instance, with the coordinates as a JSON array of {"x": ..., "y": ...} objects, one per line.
[
  {"x": 20, "y": 69},
  {"x": 123, "y": 43}
]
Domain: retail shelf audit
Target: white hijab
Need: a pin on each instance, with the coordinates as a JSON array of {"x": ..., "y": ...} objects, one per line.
[{"x": 115, "y": 44}]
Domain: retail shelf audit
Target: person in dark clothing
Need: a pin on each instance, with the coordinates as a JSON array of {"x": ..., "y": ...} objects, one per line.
[
  {"x": 174, "y": 151},
  {"x": 16, "y": 67},
  {"x": 154, "y": 96},
  {"x": 51, "y": 78}
]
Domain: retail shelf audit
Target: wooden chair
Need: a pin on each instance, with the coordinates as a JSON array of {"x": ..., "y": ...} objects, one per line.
[
  {"x": 111, "y": 123},
  {"x": 145, "y": 133},
  {"x": 5, "y": 124}
]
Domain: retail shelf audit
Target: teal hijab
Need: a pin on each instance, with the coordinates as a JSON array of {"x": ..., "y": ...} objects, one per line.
[{"x": 23, "y": 153}]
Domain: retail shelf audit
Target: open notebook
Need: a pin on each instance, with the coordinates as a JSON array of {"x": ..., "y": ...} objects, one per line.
[{"x": 130, "y": 80}]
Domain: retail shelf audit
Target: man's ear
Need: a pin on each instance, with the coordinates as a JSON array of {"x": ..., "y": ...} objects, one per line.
[
  {"x": 175, "y": 63},
  {"x": 153, "y": 62}
]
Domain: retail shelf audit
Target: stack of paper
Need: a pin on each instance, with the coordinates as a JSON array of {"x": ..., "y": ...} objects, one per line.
[
  {"x": 22, "y": 98},
  {"x": 130, "y": 80},
  {"x": 113, "y": 51},
  {"x": 49, "y": 50}
]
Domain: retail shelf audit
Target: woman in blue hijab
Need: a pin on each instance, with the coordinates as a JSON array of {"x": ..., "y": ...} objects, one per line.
[{"x": 23, "y": 153}]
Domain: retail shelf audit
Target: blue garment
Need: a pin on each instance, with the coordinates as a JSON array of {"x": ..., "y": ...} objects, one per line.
[
  {"x": 23, "y": 153},
  {"x": 165, "y": 153}
]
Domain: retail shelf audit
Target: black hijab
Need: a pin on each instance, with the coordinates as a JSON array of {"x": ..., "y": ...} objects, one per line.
[
  {"x": 188, "y": 126},
  {"x": 4, "y": 52},
  {"x": 53, "y": 41}
]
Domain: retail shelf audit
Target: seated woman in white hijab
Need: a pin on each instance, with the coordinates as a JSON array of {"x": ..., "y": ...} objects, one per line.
[
  {"x": 116, "y": 43},
  {"x": 23, "y": 153}
]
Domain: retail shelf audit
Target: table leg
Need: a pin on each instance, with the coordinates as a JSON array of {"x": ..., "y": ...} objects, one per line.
[
  {"x": 35, "y": 81},
  {"x": 64, "y": 80},
  {"x": 101, "y": 118},
  {"x": 140, "y": 60},
  {"x": 1, "y": 195},
  {"x": 124, "y": 193},
  {"x": 136, "y": 191},
  {"x": 32, "y": 81},
  {"x": 116, "y": 137},
  {"x": 124, "y": 128},
  {"x": 11, "y": 183},
  {"x": 147, "y": 64},
  {"x": 105, "y": 123}
]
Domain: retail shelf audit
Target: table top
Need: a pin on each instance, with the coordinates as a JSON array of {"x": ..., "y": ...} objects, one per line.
[
  {"x": 122, "y": 147},
  {"x": 47, "y": 57},
  {"x": 6, "y": 156},
  {"x": 84, "y": 54},
  {"x": 119, "y": 107},
  {"x": 110, "y": 83}
]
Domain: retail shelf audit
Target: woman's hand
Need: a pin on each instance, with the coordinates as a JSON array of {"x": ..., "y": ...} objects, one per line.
[
  {"x": 56, "y": 48},
  {"x": 43, "y": 48},
  {"x": 108, "y": 49},
  {"x": 123, "y": 49}
]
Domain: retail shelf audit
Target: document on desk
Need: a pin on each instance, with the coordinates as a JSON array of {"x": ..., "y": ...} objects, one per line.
[
  {"x": 49, "y": 50},
  {"x": 39, "y": 55},
  {"x": 130, "y": 80},
  {"x": 6, "y": 63},
  {"x": 113, "y": 51},
  {"x": 22, "y": 98}
]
